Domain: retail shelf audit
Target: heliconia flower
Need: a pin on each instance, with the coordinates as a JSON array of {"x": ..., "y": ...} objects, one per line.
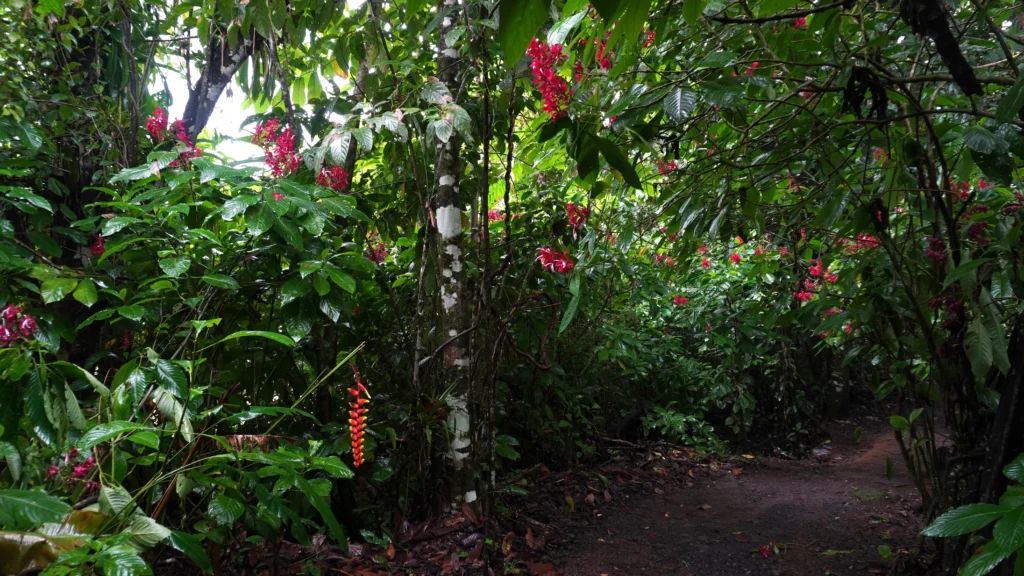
[
  {"x": 800, "y": 22},
  {"x": 680, "y": 300},
  {"x": 553, "y": 88},
  {"x": 334, "y": 178},
  {"x": 554, "y": 261},
  {"x": 278, "y": 196},
  {"x": 357, "y": 417},
  {"x": 98, "y": 246},
  {"x": 739, "y": 240},
  {"x": 704, "y": 262},
  {"x": 703, "y": 249},
  {"x": 735, "y": 258}
]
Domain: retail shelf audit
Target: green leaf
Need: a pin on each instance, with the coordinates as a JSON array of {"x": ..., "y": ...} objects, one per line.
[
  {"x": 334, "y": 466},
  {"x": 122, "y": 560},
  {"x": 679, "y": 104},
  {"x": 114, "y": 225},
  {"x": 146, "y": 438},
  {"x": 73, "y": 410},
  {"x": 1015, "y": 470},
  {"x": 560, "y": 31},
  {"x": 979, "y": 348},
  {"x": 344, "y": 281},
  {"x": 980, "y": 139},
  {"x": 115, "y": 500},
  {"x": 717, "y": 60},
  {"x": 692, "y": 10},
  {"x": 321, "y": 505},
  {"x": 570, "y": 312},
  {"x": 996, "y": 166},
  {"x": 899, "y": 422},
  {"x": 146, "y": 532},
  {"x": 1011, "y": 103},
  {"x": 964, "y": 520},
  {"x": 238, "y": 205},
  {"x": 771, "y": 7},
  {"x": 55, "y": 289},
  {"x": 175, "y": 267},
  {"x": 1009, "y": 530},
  {"x": 224, "y": 510},
  {"x": 44, "y": 7},
  {"x": 134, "y": 312},
  {"x": 984, "y": 562},
  {"x": 189, "y": 545},
  {"x": 25, "y": 508},
  {"x": 991, "y": 317},
  {"x": 173, "y": 411},
  {"x": 171, "y": 377},
  {"x": 103, "y": 432},
  {"x": 617, "y": 160},
  {"x": 518, "y": 23},
  {"x": 74, "y": 371},
  {"x": 86, "y": 293},
  {"x": 27, "y": 195},
  {"x": 963, "y": 270},
  {"x": 279, "y": 338},
  {"x": 221, "y": 281}
]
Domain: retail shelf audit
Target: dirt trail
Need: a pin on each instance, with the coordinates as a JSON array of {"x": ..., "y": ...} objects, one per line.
[{"x": 828, "y": 515}]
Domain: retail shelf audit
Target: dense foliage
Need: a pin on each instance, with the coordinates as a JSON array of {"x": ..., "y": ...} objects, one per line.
[{"x": 489, "y": 234}]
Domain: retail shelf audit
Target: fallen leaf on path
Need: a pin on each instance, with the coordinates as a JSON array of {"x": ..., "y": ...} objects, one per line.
[
  {"x": 607, "y": 496},
  {"x": 475, "y": 554},
  {"x": 690, "y": 473},
  {"x": 836, "y": 552},
  {"x": 571, "y": 503},
  {"x": 542, "y": 570},
  {"x": 468, "y": 511},
  {"x": 737, "y": 471},
  {"x": 704, "y": 507},
  {"x": 506, "y": 543},
  {"x": 530, "y": 541},
  {"x": 740, "y": 537},
  {"x": 390, "y": 552},
  {"x": 748, "y": 456},
  {"x": 590, "y": 499},
  {"x": 659, "y": 491}
]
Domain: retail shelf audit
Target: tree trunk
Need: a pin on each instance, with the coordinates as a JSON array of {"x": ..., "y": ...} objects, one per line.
[
  {"x": 447, "y": 205},
  {"x": 222, "y": 62}
]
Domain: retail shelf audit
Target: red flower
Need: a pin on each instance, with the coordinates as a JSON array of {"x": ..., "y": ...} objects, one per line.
[
  {"x": 982, "y": 184},
  {"x": 803, "y": 296},
  {"x": 739, "y": 240},
  {"x": 832, "y": 312},
  {"x": 577, "y": 216},
  {"x": 156, "y": 124},
  {"x": 751, "y": 70},
  {"x": 815, "y": 268},
  {"x": 377, "y": 253},
  {"x": 281, "y": 157},
  {"x": 783, "y": 252},
  {"x": 334, "y": 178},
  {"x": 554, "y": 261},
  {"x": 83, "y": 469},
  {"x": 735, "y": 258},
  {"x": 881, "y": 156},
  {"x": 848, "y": 328},
  {"x": 98, "y": 246},
  {"x": 52, "y": 472},
  {"x": 495, "y": 215},
  {"x": 126, "y": 340},
  {"x": 603, "y": 58},
  {"x": 357, "y": 417},
  {"x": 704, "y": 262},
  {"x": 702, "y": 249},
  {"x": 937, "y": 252},
  {"x": 664, "y": 168},
  {"x": 758, "y": 251},
  {"x": 278, "y": 196},
  {"x": 831, "y": 277},
  {"x": 648, "y": 38},
  {"x": 680, "y": 301},
  {"x": 801, "y": 22},
  {"x": 553, "y": 88}
]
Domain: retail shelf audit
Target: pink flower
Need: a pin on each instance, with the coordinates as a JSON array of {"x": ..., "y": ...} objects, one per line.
[
  {"x": 848, "y": 328},
  {"x": 680, "y": 301},
  {"x": 735, "y": 258},
  {"x": 648, "y": 38},
  {"x": 577, "y": 216},
  {"x": 831, "y": 277},
  {"x": 278, "y": 196},
  {"x": 881, "y": 156},
  {"x": 377, "y": 253},
  {"x": 800, "y": 22},
  {"x": 704, "y": 262},
  {"x": 27, "y": 325},
  {"x": 665, "y": 168},
  {"x": 52, "y": 472},
  {"x": 98, "y": 246},
  {"x": 83, "y": 469},
  {"x": 554, "y": 261},
  {"x": 803, "y": 296},
  {"x": 156, "y": 124},
  {"x": 751, "y": 70},
  {"x": 815, "y": 268},
  {"x": 702, "y": 249}
]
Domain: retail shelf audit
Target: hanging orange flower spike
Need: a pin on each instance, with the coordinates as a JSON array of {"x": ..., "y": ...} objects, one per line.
[{"x": 357, "y": 416}]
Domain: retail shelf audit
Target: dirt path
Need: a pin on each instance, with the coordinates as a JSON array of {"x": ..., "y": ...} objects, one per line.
[{"x": 827, "y": 515}]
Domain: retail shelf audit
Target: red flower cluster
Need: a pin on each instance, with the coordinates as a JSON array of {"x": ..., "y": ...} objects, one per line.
[
  {"x": 156, "y": 124},
  {"x": 703, "y": 249},
  {"x": 801, "y": 22},
  {"x": 803, "y": 295},
  {"x": 494, "y": 215},
  {"x": 671, "y": 237},
  {"x": 648, "y": 38},
  {"x": 666, "y": 260},
  {"x": 752, "y": 69},
  {"x": 98, "y": 246},
  {"x": 377, "y": 253},
  {"x": 553, "y": 88},
  {"x": 937, "y": 251},
  {"x": 704, "y": 262},
  {"x": 832, "y": 312},
  {"x": 158, "y": 129},
  {"x": 982, "y": 184},
  {"x": 554, "y": 261},
  {"x": 278, "y": 196},
  {"x": 334, "y": 178},
  {"x": 815, "y": 268},
  {"x": 357, "y": 417},
  {"x": 604, "y": 59},
  {"x": 881, "y": 156},
  {"x": 82, "y": 470},
  {"x": 79, "y": 470},
  {"x": 735, "y": 258},
  {"x": 783, "y": 252},
  {"x": 665, "y": 168},
  {"x": 961, "y": 191},
  {"x": 1011, "y": 209},
  {"x": 127, "y": 339},
  {"x": 831, "y": 277},
  {"x": 279, "y": 147},
  {"x": 577, "y": 216},
  {"x": 15, "y": 324},
  {"x": 680, "y": 300},
  {"x": 862, "y": 242}
]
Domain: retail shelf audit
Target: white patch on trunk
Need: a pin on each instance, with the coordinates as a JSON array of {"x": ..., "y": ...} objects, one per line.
[
  {"x": 446, "y": 180},
  {"x": 461, "y": 362},
  {"x": 453, "y": 332},
  {"x": 453, "y": 251},
  {"x": 446, "y": 22},
  {"x": 458, "y": 421},
  {"x": 450, "y": 52},
  {"x": 448, "y": 299},
  {"x": 447, "y": 273},
  {"x": 449, "y": 222},
  {"x": 470, "y": 496}
]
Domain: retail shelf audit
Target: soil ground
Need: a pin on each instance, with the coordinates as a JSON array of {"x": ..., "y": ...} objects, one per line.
[{"x": 826, "y": 515}]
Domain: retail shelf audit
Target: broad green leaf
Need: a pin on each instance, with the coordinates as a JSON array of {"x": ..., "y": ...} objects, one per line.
[
  {"x": 899, "y": 422},
  {"x": 1011, "y": 102},
  {"x": 171, "y": 377},
  {"x": 107, "y": 430},
  {"x": 982, "y": 563},
  {"x": 979, "y": 348},
  {"x": 1009, "y": 530},
  {"x": 692, "y": 9},
  {"x": 86, "y": 293},
  {"x": 518, "y": 23},
  {"x": 679, "y": 104},
  {"x": 772, "y": 7},
  {"x": 188, "y": 544},
  {"x": 224, "y": 510},
  {"x": 133, "y": 312},
  {"x": 74, "y": 371},
  {"x": 980, "y": 139},
  {"x": 964, "y": 270},
  {"x": 221, "y": 281},
  {"x": 321, "y": 505},
  {"x": 334, "y": 466},
  {"x": 146, "y": 532},
  {"x": 173, "y": 412},
  {"x": 617, "y": 160},
  {"x": 25, "y": 508},
  {"x": 279, "y": 338},
  {"x": 559, "y": 32},
  {"x": 55, "y": 289},
  {"x": 175, "y": 267},
  {"x": 570, "y": 312},
  {"x": 114, "y": 225},
  {"x": 1015, "y": 470},
  {"x": 964, "y": 520}
]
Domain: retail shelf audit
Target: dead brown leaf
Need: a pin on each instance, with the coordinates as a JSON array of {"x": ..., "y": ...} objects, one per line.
[
  {"x": 590, "y": 499},
  {"x": 477, "y": 552},
  {"x": 607, "y": 496},
  {"x": 468, "y": 511},
  {"x": 737, "y": 471},
  {"x": 506, "y": 543},
  {"x": 542, "y": 570},
  {"x": 704, "y": 507},
  {"x": 530, "y": 541},
  {"x": 390, "y": 552}
]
